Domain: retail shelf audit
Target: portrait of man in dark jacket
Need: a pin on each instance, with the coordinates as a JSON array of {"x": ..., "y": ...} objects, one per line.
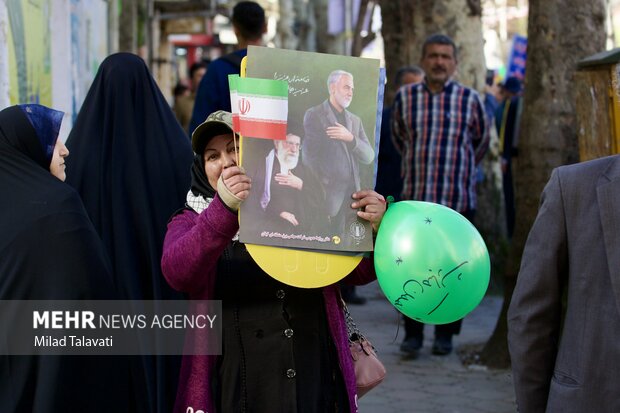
[{"x": 335, "y": 144}]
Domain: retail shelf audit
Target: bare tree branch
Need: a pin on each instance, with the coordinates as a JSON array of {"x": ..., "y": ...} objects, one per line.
[{"x": 357, "y": 47}]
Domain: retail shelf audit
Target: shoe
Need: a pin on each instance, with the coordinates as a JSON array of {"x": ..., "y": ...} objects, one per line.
[
  {"x": 442, "y": 346},
  {"x": 354, "y": 299},
  {"x": 411, "y": 346}
]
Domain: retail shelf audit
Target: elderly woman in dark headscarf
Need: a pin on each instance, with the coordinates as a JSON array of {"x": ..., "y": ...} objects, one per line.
[
  {"x": 49, "y": 250},
  {"x": 284, "y": 349},
  {"x": 131, "y": 166}
]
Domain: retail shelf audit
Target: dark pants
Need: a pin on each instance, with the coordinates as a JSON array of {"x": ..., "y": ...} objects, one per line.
[{"x": 416, "y": 329}]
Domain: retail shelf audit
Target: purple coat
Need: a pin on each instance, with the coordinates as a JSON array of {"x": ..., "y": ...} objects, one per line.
[{"x": 192, "y": 247}]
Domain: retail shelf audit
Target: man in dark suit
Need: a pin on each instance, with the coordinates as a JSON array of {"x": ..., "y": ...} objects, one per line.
[
  {"x": 334, "y": 145},
  {"x": 564, "y": 318}
]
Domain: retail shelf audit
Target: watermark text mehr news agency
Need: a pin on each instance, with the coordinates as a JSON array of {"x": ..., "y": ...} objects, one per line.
[{"x": 60, "y": 320}]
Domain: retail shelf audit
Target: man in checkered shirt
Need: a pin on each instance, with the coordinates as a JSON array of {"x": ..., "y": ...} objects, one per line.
[{"x": 440, "y": 130}]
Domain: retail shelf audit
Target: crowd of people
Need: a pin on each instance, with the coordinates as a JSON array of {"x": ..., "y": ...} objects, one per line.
[
  {"x": 131, "y": 208},
  {"x": 148, "y": 214},
  {"x": 118, "y": 229}
]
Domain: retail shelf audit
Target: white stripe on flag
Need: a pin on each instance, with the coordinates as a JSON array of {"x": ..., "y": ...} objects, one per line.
[
  {"x": 233, "y": 101},
  {"x": 266, "y": 108}
]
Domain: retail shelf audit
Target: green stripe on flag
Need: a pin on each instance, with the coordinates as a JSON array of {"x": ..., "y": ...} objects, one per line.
[
  {"x": 275, "y": 89},
  {"x": 232, "y": 82}
]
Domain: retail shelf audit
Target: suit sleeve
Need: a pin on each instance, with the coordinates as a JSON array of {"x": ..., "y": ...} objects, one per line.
[
  {"x": 535, "y": 310},
  {"x": 314, "y": 134},
  {"x": 362, "y": 150}
]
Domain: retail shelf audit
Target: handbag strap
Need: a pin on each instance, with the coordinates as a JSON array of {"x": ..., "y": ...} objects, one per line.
[{"x": 353, "y": 332}]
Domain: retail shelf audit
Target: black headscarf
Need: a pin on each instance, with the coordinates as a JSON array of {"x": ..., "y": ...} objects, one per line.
[
  {"x": 200, "y": 182},
  {"x": 49, "y": 250},
  {"x": 130, "y": 161}
]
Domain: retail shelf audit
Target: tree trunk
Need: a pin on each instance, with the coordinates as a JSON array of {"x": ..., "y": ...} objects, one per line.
[
  {"x": 461, "y": 20},
  {"x": 397, "y": 32},
  {"x": 561, "y": 32},
  {"x": 128, "y": 27},
  {"x": 407, "y": 23},
  {"x": 358, "y": 41},
  {"x": 490, "y": 217},
  {"x": 305, "y": 22},
  {"x": 495, "y": 352},
  {"x": 286, "y": 38},
  {"x": 325, "y": 42}
]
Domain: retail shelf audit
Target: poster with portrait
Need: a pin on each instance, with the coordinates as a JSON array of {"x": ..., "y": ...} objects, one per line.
[{"x": 302, "y": 187}]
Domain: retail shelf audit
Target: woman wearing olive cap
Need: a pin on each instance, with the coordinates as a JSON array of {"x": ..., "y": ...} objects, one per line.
[{"x": 284, "y": 349}]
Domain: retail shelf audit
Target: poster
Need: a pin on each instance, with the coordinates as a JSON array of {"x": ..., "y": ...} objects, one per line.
[
  {"x": 518, "y": 56},
  {"x": 29, "y": 37},
  {"x": 89, "y": 46},
  {"x": 51, "y": 52},
  {"x": 302, "y": 187}
]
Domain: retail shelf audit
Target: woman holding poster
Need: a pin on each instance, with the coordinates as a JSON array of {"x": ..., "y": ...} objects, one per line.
[{"x": 284, "y": 349}]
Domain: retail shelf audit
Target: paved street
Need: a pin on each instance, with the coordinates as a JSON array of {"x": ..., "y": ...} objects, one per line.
[{"x": 431, "y": 384}]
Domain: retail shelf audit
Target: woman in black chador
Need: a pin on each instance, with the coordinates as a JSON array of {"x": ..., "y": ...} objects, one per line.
[
  {"x": 130, "y": 163},
  {"x": 49, "y": 250}
]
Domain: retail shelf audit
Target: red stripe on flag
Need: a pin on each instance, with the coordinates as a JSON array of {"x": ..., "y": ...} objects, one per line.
[
  {"x": 235, "y": 120},
  {"x": 262, "y": 129}
]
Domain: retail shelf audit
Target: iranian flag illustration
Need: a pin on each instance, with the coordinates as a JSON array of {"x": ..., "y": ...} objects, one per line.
[{"x": 259, "y": 107}]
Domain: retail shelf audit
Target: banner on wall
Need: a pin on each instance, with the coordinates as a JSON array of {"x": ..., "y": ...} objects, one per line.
[
  {"x": 4, "y": 57},
  {"x": 89, "y": 46},
  {"x": 29, "y": 37},
  {"x": 54, "y": 50},
  {"x": 517, "y": 58}
]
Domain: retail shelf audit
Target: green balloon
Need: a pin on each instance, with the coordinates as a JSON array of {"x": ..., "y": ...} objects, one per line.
[{"x": 431, "y": 262}]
